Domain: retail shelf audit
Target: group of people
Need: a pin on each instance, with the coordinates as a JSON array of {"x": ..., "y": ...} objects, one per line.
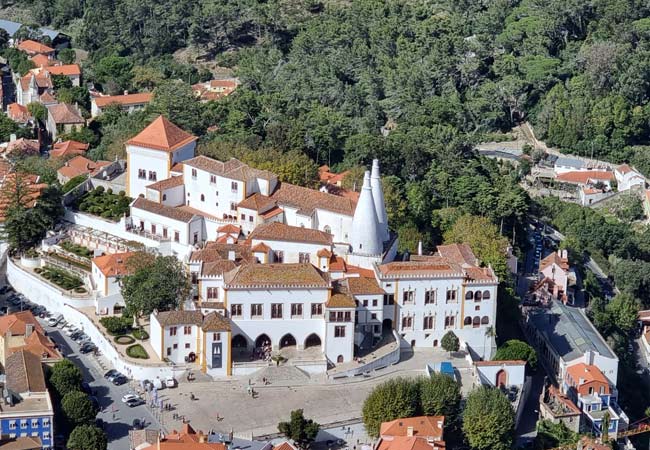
[{"x": 263, "y": 352}]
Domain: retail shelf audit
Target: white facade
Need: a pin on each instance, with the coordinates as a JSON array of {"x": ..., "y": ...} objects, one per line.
[
  {"x": 493, "y": 373},
  {"x": 188, "y": 232},
  {"x": 214, "y": 195}
]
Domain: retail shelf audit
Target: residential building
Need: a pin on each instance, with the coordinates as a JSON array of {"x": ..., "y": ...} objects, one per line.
[
  {"x": 128, "y": 102},
  {"x": 107, "y": 271},
  {"x": 79, "y": 165},
  {"x": 628, "y": 178},
  {"x": 556, "y": 280},
  {"x": 214, "y": 89},
  {"x": 21, "y": 148},
  {"x": 595, "y": 178},
  {"x": 67, "y": 149},
  {"x": 35, "y": 48},
  {"x": 72, "y": 71},
  {"x": 19, "y": 113},
  {"x": 413, "y": 433},
  {"x": 63, "y": 118},
  {"x": 186, "y": 439},
  {"x": 26, "y": 408},
  {"x": 21, "y": 331},
  {"x": 31, "y": 86},
  {"x": 500, "y": 373},
  {"x": 589, "y": 195},
  {"x": 559, "y": 408},
  {"x": 43, "y": 61},
  {"x": 327, "y": 177},
  {"x": 564, "y": 164}
]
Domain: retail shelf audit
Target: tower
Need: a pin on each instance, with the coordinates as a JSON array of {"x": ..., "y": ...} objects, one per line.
[
  {"x": 378, "y": 197},
  {"x": 366, "y": 238}
]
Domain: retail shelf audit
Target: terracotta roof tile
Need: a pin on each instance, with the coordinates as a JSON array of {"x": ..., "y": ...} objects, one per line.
[
  {"x": 18, "y": 113},
  {"x": 276, "y": 231},
  {"x": 583, "y": 177},
  {"x": 423, "y": 426},
  {"x": 21, "y": 443},
  {"x": 272, "y": 213},
  {"x": 339, "y": 300},
  {"x": 17, "y": 323},
  {"x": 324, "y": 253},
  {"x": 177, "y": 168},
  {"x": 161, "y": 134},
  {"x": 261, "y": 247},
  {"x": 65, "y": 69},
  {"x": 229, "y": 228},
  {"x": 128, "y": 99},
  {"x": 363, "y": 286},
  {"x": 586, "y": 373},
  {"x": 307, "y": 200},
  {"x": 33, "y": 47},
  {"x": 114, "y": 264},
  {"x": 233, "y": 169},
  {"x": 409, "y": 443},
  {"x": 458, "y": 253},
  {"x": 171, "y": 318},
  {"x": 276, "y": 275},
  {"x": 624, "y": 169},
  {"x": 284, "y": 446},
  {"x": 47, "y": 98},
  {"x": 166, "y": 184},
  {"x": 39, "y": 345},
  {"x": 42, "y": 60},
  {"x": 257, "y": 202},
  {"x": 554, "y": 258},
  {"x": 162, "y": 210},
  {"x": 24, "y": 372},
  {"x": 215, "y": 322},
  {"x": 68, "y": 148},
  {"x": 23, "y": 146},
  {"x": 80, "y": 165},
  {"x": 41, "y": 80},
  {"x": 62, "y": 113}
]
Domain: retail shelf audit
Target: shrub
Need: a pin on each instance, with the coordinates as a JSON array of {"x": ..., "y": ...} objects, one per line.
[
  {"x": 80, "y": 290},
  {"x": 124, "y": 339},
  {"x": 78, "y": 250},
  {"x": 73, "y": 183},
  {"x": 61, "y": 278},
  {"x": 137, "y": 351},
  {"x": 38, "y": 270},
  {"x": 140, "y": 334},
  {"x": 116, "y": 325}
]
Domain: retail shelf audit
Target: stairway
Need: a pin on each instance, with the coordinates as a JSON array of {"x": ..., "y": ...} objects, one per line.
[{"x": 282, "y": 374}]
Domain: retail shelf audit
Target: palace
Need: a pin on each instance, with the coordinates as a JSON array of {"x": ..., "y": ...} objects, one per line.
[{"x": 275, "y": 265}]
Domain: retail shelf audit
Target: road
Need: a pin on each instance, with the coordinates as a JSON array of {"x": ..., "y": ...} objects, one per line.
[{"x": 118, "y": 417}]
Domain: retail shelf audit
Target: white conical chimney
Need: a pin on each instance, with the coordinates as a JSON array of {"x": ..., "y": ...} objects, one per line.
[
  {"x": 366, "y": 238},
  {"x": 378, "y": 197}
]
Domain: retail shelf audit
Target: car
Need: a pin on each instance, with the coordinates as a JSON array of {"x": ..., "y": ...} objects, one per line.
[
  {"x": 53, "y": 321},
  {"x": 134, "y": 402},
  {"x": 62, "y": 324},
  {"x": 170, "y": 382},
  {"x": 138, "y": 424},
  {"x": 74, "y": 336},
  {"x": 129, "y": 396},
  {"x": 87, "y": 347},
  {"x": 99, "y": 423},
  {"x": 111, "y": 374},
  {"x": 119, "y": 380},
  {"x": 70, "y": 331},
  {"x": 3, "y": 289}
]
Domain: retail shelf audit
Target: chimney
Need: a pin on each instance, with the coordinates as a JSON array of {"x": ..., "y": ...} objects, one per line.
[
  {"x": 29, "y": 328},
  {"x": 126, "y": 92},
  {"x": 565, "y": 254},
  {"x": 420, "y": 248},
  {"x": 409, "y": 431},
  {"x": 201, "y": 438},
  {"x": 12, "y": 137},
  {"x": 231, "y": 255}
]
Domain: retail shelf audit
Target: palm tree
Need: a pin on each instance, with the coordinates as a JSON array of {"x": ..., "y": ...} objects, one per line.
[{"x": 489, "y": 332}]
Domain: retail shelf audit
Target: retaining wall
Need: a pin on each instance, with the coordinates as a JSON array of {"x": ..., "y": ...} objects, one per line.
[{"x": 387, "y": 360}]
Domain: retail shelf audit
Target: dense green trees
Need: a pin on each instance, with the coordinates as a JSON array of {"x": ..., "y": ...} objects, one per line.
[
  {"x": 65, "y": 378},
  {"x": 87, "y": 437},
  {"x": 440, "y": 396},
  {"x": 450, "y": 342},
  {"x": 488, "y": 420},
  {"x": 514, "y": 350},
  {"x": 300, "y": 430},
  {"x": 78, "y": 408}
]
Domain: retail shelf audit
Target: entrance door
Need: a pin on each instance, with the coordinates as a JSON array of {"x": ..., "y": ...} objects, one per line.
[
  {"x": 216, "y": 355},
  {"x": 502, "y": 378}
]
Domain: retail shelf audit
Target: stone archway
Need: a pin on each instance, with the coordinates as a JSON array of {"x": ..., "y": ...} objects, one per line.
[
  {"x": 287, "y": 340},
  {"x": 313, "y": 340},
  {"x": 262, "y": 340},
  {"x": 502, "y": 378},
  {"x": 239, "y": 342}
]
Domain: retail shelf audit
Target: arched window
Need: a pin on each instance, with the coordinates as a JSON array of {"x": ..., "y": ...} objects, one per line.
[
  {"x": 486, "y": 295},
  {"x": 485, "y": 320},
  {"x": 327, "y": 229},
  {"x": 339, "y": 359},
  {"x": 476, "y": 322},
  {"x": 202, "y": 197},
  {"x": 468, "y": 320},
  {"x": 469, "y": 295},
  {"x": 477, "y": 296}
]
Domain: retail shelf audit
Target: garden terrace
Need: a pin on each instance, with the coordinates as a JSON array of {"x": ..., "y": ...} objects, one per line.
[
  {"x": 62, "y": 278},
  {"x": 104, "y": 203},
  {"x": 99, "y": 240},
  {"x": 77, "y": 249}
]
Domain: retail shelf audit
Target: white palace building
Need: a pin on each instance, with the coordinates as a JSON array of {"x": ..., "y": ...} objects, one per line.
[{"x": 274, "y": 265}]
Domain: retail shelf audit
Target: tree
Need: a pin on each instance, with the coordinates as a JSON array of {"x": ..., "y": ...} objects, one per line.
[
  {"x": 159, "y": 283},
  {"x": 550, "y": 435},
  {"x": 114, "y": 72},
  {"x": 516, "y": 350},
  {"x": 87, "y": 437},
  {"x": 78, "y": 408},
  {"x": 624, "y": 310},
  {"x": 440, "y": 396},
  {"x": 488, "y": 420},
  {"x": 450, "y": 342},
  {"x": 61, "y": 82},
  {"x": 300, "y": 430},
  {"x": 175, "y": 100},
  {"x": 388, "y": 401},
  {"x": 38, "y": 111},
  {"x": 65, "y": 377},
  {"x": 67, "y": 56}
]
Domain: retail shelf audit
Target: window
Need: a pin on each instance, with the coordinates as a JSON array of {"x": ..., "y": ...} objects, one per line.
[
  {"x": 46, "y": 422},
  {"x": 276, "y": 310},
  {"x": 177, "y": 236},
  {"x": 234, "y": 186},
  {"x": 175, "y": 346},
  {"x": 374, "y": 302},
  {"x": 469, "y": 295},
  {"x": 34, "y": 423},
  {"x": 153, "y": 229},
  {"x": 164, "y": 197},
  {"x": 407, "y": 323},
  {"x": 450, "y": 321},
  {"x": 213, "y": 179},
  {"x": 233, "y": 206},
  {"x": 339, "y": 331},
  {"x": 476, "y": 322},
  {"x": 485, "y": 320},
  {"x": 12, "y": 424},
  {"x": 243, "y": 217},
  {"x": 373, "y": 316},
  {"x": 193, "y": 173},
  {"x": 467, "y": 321},
  {"x": 408, "y": 297},
  {"x": 202, "y": 197},
  {"x": 187, "y": 345},
  {"x": 303, "y": 257},
  {"x": 477, "y": 308},
  {"x": 194, "y": 276},
  {"x": 256, "y": 310},
  {"x": 141, "y": 225},
  {"x": 486, "y": 295},
  {"x": 279, "y": 256},
  {"x": 169, "y": 351},
  {"x": 340, "y": 316},
  {"x": 142, "y": 174},
  {"x": 428, "y": 323},
  {"x": 23, "y": 424},
  {"x": 165, "y": 232},
  {"x": 477, "y": 296},
  {"x": 213, "y": 293},
  {"x": 365, "y": 303},
  {"x": 172, "y": 331},
  {"x": 216, "y": 336},
  {"x": 187, "y": 329},
  {"x": 296, "y": 310},
  {"x": 235, "y": 310},
  {"x": 389, "y": 299},
  {"x": 316, "y": 309},
  {"x": 251, "y": 219},
  {"x": 430, "y": 297},
  {"x": 46, "y": 435},
  {"x": 451, "y": 295},
  {"x": 327, "y": 229},
  {"x": 152, "y": 175}
]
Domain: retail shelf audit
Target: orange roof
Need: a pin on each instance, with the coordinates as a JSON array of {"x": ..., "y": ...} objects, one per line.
[
  {"x": 80, "y": 165},
  {"x": 62, "y": 113},
  {"x": 39, "y": 345},
  {"x": 127, "y": 99},
  {"x": 591, "y": 191},
  {"x": 41, "y": 80},
  {"x": 167, "y": 183},
  {"x": 276, "y": 231},
  {"x": 18, "y": 113},
  {"x": 229, "y": 228},
  {"x": 513, "y": 362},
  {"x": 65, "y": 69},
  {"x": 272, "y": 212},
  {"x": 24, "y": 147},
  {"x": 583, "y": 177},
  {"x": 423, "y": 426},
  {"x": 113, "y": 265},
  {"x": 261, "y": 247},
  {"x": 177, "y": 168},
  {"x": 326, "y": 176},
  {"x": 624, "y": 168},
  {"x": 586, "y": 373},
  {"x": 186, "y": 439},
  {"x": 554, "y": 258},
  {"x": 337, "y": 264},
  {"x": 324, "y": 253},
  {"x": 161, "y": 134},
  {"x": 68, "y": 148},
  {"x": 42, "y": 60},
  {"x": 47, "y": 98},
  {"x": 349, "y": 268},
  {"x": 17, "y": 323},
  {"x": 284, "y": 446},
  {"x": 33, "y": 47}
]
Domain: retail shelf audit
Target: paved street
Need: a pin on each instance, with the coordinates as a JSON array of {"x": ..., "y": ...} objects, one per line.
[{"x": 117, "y": 416}]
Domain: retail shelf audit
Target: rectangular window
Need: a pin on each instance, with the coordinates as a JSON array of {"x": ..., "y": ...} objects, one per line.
[
  {"x": 153, "y": 229},
  {"x": 46, "y": 435},
  {"x": 233, "y": 206},
  {"x": 279, "y": 256},
  {"x": 451, "y": 295},
  {"x": 175, "y": 346},
  {"x": 373, "y": 316},
  {"x": 234, "y": 186},
  {"x": 46, "y": 422},
  {"x": 193, "y": 173},
  {"x": 169, "y": 351},
  {"x": 187, "y": 329},
  {"x": 235, "y": 310},
  {"x": 187, "y": 345},
  {"x": 172, "y": 331},
  {"x": 243, "y": 217},
  {"x": 34, "y": 423},
  {"x": 251, "y": 219},
  {"x": 142, "y": 174},
  {"x": 12, "y": 425},
  {"x": 213, "y": 293},
  {"x": 276, "y": 310},
  {"x": 177, "y": 236},
  {"x": 152, "y": 175},
  {"x": 365, "y": 303},
  {"x": 303, "y": 257},
  {"x": 407, "y": 323},
  {"x": 374, "y": 302},
  {"x": 164, "y": 232},
  {"x": 23, "y": 424},
  {"x": 316, "y": 309},
  {"x": 428, "y": 323},
  {"x": 450, "y": 321},
  {"x": 389, "y": 299},
  {"x": 194, "y": 276},
  {"x": 339, "y": 331},
  {"x": 216, "y": 336},
  {"x": 213, "y": 179},
  {"x": 429, "y": 297},
  {"x": 296, "y": 310},
  {"x": 256, "y": 310},
  {"x": 408, "y": 297}
]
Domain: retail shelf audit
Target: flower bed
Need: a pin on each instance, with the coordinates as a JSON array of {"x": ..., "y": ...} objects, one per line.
[
  {"x": 104, "y": 203},
  {"x": 73, "y": 262},
  {"x": 61, "y": 278},
  {"x": 116, "y": 325},
  {"x": 137, "y": 351},
  {"x": 77, "y": 249},
  {"x": 124, "y": 339},
  {"x": 141, "y": 335}
]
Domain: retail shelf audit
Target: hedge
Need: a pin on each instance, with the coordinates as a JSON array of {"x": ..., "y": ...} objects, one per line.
[
  {"x": 141, "y": 335},
  {"x": 124, "y": 339},
  {"x": 137, "y": 351}
]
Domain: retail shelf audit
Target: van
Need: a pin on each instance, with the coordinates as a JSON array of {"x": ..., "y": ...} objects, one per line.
[
  {"x": 158, "y": 383},
  {"x": 52, "y": 321}
]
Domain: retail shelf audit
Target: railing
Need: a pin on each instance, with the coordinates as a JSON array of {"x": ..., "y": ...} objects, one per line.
[{"x": 147, "y": 234}]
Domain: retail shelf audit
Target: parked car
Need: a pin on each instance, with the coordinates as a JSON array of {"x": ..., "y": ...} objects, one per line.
[
  {"x": 69, "y": 331},
  {"x": 99, "y": 423},
  {"x": 85, "y": 387},
  {"x": 134, "y": 402},
  {"x": 138, "y": 424},
  {"x": 129, "y": 396},
  {"x": 111, "y": 374},
  {"x": 170, "y": 382},
  {"x": 120, "y": 380},
  {"x": 87, "y": 347},
  {"x": 54, "y": 320},
  {"x": 62, "y": 324},
  {"x": 3, "y": 289}
]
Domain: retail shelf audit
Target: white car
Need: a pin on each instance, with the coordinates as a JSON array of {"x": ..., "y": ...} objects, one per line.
[
  {"x": 170, "y": 382},
  {"x": 52, "y": 321},
  {"x": 70, "y": 330},
  {"x": 130, "y": 397}
]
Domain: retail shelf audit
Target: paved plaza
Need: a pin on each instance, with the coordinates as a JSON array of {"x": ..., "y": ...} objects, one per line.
[{"x": 326, "y": 401}]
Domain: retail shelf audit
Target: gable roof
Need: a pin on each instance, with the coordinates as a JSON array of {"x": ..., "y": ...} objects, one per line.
[
  {"x": 64, "y": 69},
  {"x": 62, "y": 113},
  {"x": 233, "y": 169},
  {"x": 17, "y": 323},
  {"x": 554, "y": 258},
  {"x": 21, "y": 443},
  {"x": 363, "y": 286},
  {"x": 68, "y": 148},
  {"x": 300, "y": 275},
  {"x": 24, "y": 373},
  {"x": 172, "y": 318},
  {"x": 163, "y": 135},
  {"x": 41, "y": 80},
  {"x": 33, "y": 47},
  {"x": 167, "y": 211},
  {"x": 423, "y": 426},
  {"x": 39, "y": 345},
  {"x": 80, "y": 165},
  {"x": 276, "y": 231},
  {"x": 306, "y": 200},
  {"x": 18, "y": 113},
  {"x": 42, "y": 60},
  {"x": 583, "y": 177},
  {"x": 167, "y": 183},
  {"x": 458, "y": 253},
  {"x": 126, "y": 99},
  {"x": 587, "y": 373},
  {"x": 23, "y": 146},
  {"x": 114, "y": 264},
  {"x": 215, "y": 322}
]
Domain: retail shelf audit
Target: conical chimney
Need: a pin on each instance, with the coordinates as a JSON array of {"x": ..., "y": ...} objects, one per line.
[
  {"x": 378, "y": 197},
  {"x": 365, "y": 238}
]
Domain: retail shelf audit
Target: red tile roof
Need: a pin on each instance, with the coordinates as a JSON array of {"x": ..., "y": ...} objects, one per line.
[
  {"x": 80, "y": 165},
  {"x": 167, "y": 211},
  {"x": 186, "y": 439},
  {"x": 23, "y": 146},
  {"x": 127, "y": 99},
  {"x": 584, "y": 177},
  {"x": 276, "y": 275},
  {"x": 17, "y": 323},
  {"x": 229, "y": 228},
  {"x": 18, "y": 113},
  {"x": 586, "y": 373},
  {"x": 113, "y": 265},
  {"x": 554, "y": 258},
  {"x": 624, "y": 168},
  {"x": 65, "y": 69},
  {"x": 68, "y": 148},
  {"x": 307, "y": 200},
  {"x": 326, "y": 176},
  {"x": 276, "y": 231},
  {"x": 42, "y": 60},
  {"x": 161, "y": 134},
  {"x": 167, "y": 183},
  {"x": 33, "y": 47},
  {"x": 422, "y": 426},
  {"x": 62, "y": 113},
  {"x": 39, "y": 345}
]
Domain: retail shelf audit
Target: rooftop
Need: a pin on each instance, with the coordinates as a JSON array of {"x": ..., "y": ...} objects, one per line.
[
  {"x": 185, "y": 439},
  {"x": 276, "y": 231},
  {"x": 586, "y": 373},
  {"x": 18, "y": 113},
  {"x": 114, "y": 264},
  {"x": 306, "y": 200},
  {"x": 276, "y": 275},
  {"x": 65, "y": 69},
  {"x": 127, "y": 99},
  {"x": 161, "y": 134},
  {"x": 585, "y": 176},
  {"x": 424, "y": 426},
  {"x": 568, "y": 331},
  {"x": 166, "y": 184},
  {"x": 24, "y": 373},
  {"x": 33, "y": 47},
  {"x": 172, "y": 318},
  {"x": 167, "y": 211},
  {"x": 233, "y": 168},
  {"x": 17, "y": 323},
  {"x": 68, "y": 148},
  {"x": 80, "y": 165},
  {"x": 62, "y": 113}
]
